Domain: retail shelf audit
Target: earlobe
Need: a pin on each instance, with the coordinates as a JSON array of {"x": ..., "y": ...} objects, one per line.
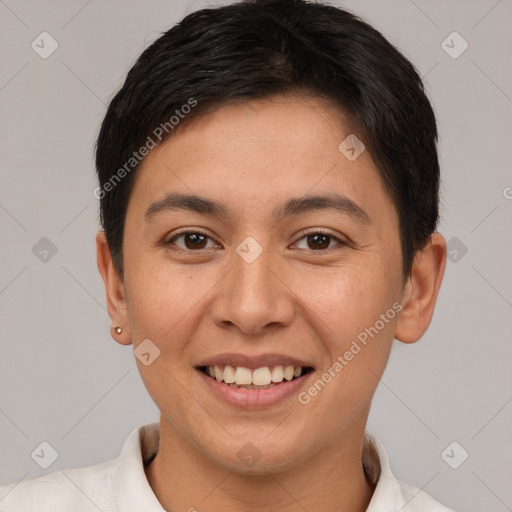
[
  {"x": 114, "y": 289},
  {"x": 421, "y": 290}
]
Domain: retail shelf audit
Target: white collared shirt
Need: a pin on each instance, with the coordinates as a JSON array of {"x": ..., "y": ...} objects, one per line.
[{"x": 120, "y": 485}]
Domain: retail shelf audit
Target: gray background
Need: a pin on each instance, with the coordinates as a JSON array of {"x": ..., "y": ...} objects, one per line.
[{"x": 65, "y": 381}]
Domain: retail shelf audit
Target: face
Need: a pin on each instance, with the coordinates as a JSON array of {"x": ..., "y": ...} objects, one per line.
[{"x": 240, "y": 279}]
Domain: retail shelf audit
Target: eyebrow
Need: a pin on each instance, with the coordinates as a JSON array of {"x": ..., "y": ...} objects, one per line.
[{"x": 292, "y": 207}]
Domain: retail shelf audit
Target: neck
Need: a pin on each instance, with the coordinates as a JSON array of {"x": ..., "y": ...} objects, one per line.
[{"x": 331, "y": 480}]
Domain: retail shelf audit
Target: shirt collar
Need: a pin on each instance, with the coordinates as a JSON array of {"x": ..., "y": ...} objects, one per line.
[
  {"x": 131, "y": 488},
  {"x": 386, "y": 495},
  {"x": 133, "y": 493}
]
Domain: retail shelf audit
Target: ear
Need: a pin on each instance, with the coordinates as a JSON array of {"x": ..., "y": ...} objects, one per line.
[
  {"x": 114, "y": 288},
  {"x": 421, "y": 289}
]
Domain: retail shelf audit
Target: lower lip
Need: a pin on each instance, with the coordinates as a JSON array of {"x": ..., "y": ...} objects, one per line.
[{"x": 252, "y": 398}]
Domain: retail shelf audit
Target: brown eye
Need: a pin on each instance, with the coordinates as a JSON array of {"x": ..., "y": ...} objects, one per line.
[
  {"x": 318, "y": 241},
  {"x": 193, "y": 240}
]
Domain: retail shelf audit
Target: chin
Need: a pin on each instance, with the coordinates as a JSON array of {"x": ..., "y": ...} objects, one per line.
[{"x": 259, "y": 457}]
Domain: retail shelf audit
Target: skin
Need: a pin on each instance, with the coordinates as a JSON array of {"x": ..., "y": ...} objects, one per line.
[{"x": 293, "y": 299}]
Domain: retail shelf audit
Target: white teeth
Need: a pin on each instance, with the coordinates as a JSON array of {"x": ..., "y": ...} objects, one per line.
[
  {"x": 241, "y": 376},
  {"x": 288, "y": 373},
  {"x": 229, "y": 374},
  {"x": 261, "y": 376},
  {"x": 277, "y": 374}
]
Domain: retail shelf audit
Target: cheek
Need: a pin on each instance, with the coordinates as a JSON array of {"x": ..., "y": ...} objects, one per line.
[
  {"x": 345, "y": 299},
  {"x": 354, "y": 319},
  {"x": 161, "y": 297},
  {"x": 164, "y": 304}
]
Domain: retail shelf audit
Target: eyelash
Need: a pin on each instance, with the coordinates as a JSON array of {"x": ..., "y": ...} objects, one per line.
[{"x": 340, "y": 243}]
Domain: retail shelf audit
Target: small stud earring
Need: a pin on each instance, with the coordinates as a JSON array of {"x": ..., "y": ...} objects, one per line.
[{"x": 118, "y": 330}]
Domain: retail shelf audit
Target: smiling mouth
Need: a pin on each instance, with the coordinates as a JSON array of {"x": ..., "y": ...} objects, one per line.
[{"x": 258, "y": 378}]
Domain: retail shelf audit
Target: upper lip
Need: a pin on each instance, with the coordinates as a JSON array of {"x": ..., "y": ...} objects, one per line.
[{"x": 253, "y": 362}]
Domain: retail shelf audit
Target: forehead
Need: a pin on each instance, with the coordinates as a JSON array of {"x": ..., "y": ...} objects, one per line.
[{"x": 259, "y": 153}]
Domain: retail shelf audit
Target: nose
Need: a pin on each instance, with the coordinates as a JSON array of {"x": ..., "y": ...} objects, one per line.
[{"x": 253, "y": 297}]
